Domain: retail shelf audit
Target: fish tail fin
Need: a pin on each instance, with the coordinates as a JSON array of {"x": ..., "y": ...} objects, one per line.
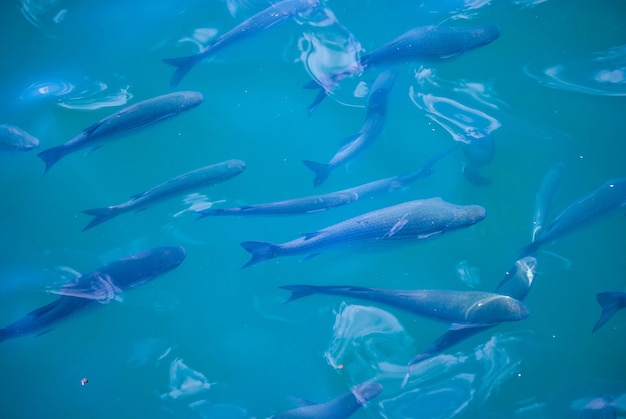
[
  {"x": 51, "y": 156},
  {"x": 100, "y": 216},
  {"x": 611, "y": 304},
  {"x": 183, "y": 66},
  {"x": 260, "y": 251},
  {"x": 298, "y": 291},
  {"x": 321, "y": 170},
  {"x": 319, "y": 98}
]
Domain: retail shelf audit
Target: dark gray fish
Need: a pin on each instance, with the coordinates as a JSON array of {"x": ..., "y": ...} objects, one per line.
[
  {"x": 516, "y": 284},
  {"x": 265, "y": 19},
  {"x": 370, "y": 130},
  {"x": 600, "y": 202},
  {"x": 14, "y": 139},
  {"x": 131, "y": 118},
  {"x": 461, "y": 308},
  {"x": 395, "y": 225},
  {"x": 479, "y": 151},
  {"x": 341, "y": 407},
  {"x": 611, "y": 302},
  {"x": 545, "y": 196},
  {"x": 94, "y": 288},
  {"x": 205, "y": 176},
  {"x": 324, "y": 202}
]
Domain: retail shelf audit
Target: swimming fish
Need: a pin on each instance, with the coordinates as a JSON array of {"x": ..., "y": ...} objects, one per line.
[
  {"x": 370, "y": 130},
  {"x": 14, "y": 139},
  {"x": 94, "y": 288},
  {"x": 205, "y": 176},
  {"x": 611, "y": 302},
  {"x": 130, "y": 119},
  {"x": 395, "y": 225},
  {"x": 545, "y": 196},
  {"x": 265, "y": 19}
]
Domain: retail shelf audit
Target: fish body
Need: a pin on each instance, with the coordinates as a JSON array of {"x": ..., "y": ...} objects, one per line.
[
  {"x": 370, "y": 130},
  {"x": 339, "y": 408},
  {"x": 395, "y": 225},
  {"x": 545, "y": 196},
  {"x": 94, "y": 288},
  {"x": 265, "y": 19},
  {"x": 15, "y": 139},
  {"x": 466, "y": 308},
  {"x": 205, "y": 176},
  {"x": 600, "y": 202},
  {"x": 611, "y": 302},
  {"x": 130, "y": 119}
]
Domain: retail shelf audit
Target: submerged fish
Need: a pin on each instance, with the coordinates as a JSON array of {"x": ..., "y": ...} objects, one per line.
[
  {"x": 125, "y": 121},
  {"x": 205, "y": 176},
  {"x": 341, "y": 407},
  {"x": 100, "y": 286},
  {"x": 370, "y": 130},
  {"x": 479, "y": 151},
  {"x": 14, "y": 139},
  {"x": 398, "y": 224},
  {"x": 265, "y": 19},
  {"x": 611, "y": 302},
  {"x": 600, "y": 202},
  {"x": 545, "y": 196},
  {"x": 461, "y": 308}
]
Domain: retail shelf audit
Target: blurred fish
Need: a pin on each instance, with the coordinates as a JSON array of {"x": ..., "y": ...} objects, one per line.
[
  {"x": 611, "y": 302},
  {"x": 205, "y": 176},
  {"x": 185, "y": 381},
  {"x": 339, "y": 408},
  {"x": 265, "y": 19},
  {"x": 463, "y": 309},
  {"x": 545, "y": 196},
  {"x": 14, "y": 139},
  {"x": 96, "y": 287},
  {"x": 598, "y": 203},
  {"x": 395, "y": 225},
  {"x": 370, "y": 130},
  {"x": 125, "y": 121},
  {"x": 479, "y": 150}
]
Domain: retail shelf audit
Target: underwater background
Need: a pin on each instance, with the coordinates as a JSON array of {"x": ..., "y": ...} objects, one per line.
[{"x": 550, "y": 90}]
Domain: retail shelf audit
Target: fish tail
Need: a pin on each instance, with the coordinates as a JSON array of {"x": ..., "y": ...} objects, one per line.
[
  {"x": 260, "y": 251},
  {"x": 51, "y": 156},
  {"x": 321, "y": 170},
  {"x": 611, "y": 304},
  {"x": 183, "y": 65},
  {"x": 319, "y": 98},
  {"x": 100, "y": 216},
  {"x": 299, "y": 291}
]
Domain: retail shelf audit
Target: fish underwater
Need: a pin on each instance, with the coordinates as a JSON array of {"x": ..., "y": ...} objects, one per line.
[
  {"x": 611, "y": 302},
  {"x": 398, "y": 224},
  {"x": 14, "y": 139},
  {"x": 203, "y": 177},
  {"x": 95, "y": 288},
  {"x": 265, "y": 19},
  {"x": 545, "y": 196},
  {"x": 461, "y": 308},
  {"x": 130, "y": 119},
  {"x": 339, "y": 408}
]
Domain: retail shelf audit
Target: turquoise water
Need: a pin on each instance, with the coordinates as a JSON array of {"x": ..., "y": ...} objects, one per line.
[{"x": 550, "y": 89}]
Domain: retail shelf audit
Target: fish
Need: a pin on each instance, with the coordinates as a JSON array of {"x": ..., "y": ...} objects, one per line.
[
  {"x": 463, "y": 309},
  {"x": 95, "y": 288},
  {"x": 404, "y": 223},
  {"x": 202, "y": 177},
  {"x": 265, "y": 19},
  {"x": 14, "y": 139},
  {"x": 338, "y": 408},
  {"x": 600, "y": 202},
  {"x": 423, "y": 44},
  {"x": 516, "y": 284},
  {"x": 611, "y": 302},
  {"x": 323, "y": 202},
  {"x": 370, "y": 130},
  {"x": 479, "y": 151},
  {"x": 130, "y": 119},
  {"x": 545, "y": 196}
]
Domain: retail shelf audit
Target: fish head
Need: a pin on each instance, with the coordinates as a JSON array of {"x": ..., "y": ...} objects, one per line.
[
  {"x": 366, "y": 391},
  {"x": 189, "y": 99},
  {"x": 496, "y": 309},
  {"x": 483, "y": 35},
  {"x": 465, "y": 216}
]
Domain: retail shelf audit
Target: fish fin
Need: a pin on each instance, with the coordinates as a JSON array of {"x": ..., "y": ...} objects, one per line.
[
  {"x": 319, "y": 98},
  {"x": 260, "y": 251},
  {"x": 101, "y": 215},
  {"x": 308, "y": 236},
  {"x": 183, "y": 65},
  {"x": 309, "y": 256},
  {"x": 312, "y": 85},
  {"x": 425, "y": 236},
  {"x": 461, "y": 326},
  {"x": 298, "y": 291},
  {"x": 51, "y": 156},
  {"x": 610, "y": 305},
  {"x": 321, "y": 170}
]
